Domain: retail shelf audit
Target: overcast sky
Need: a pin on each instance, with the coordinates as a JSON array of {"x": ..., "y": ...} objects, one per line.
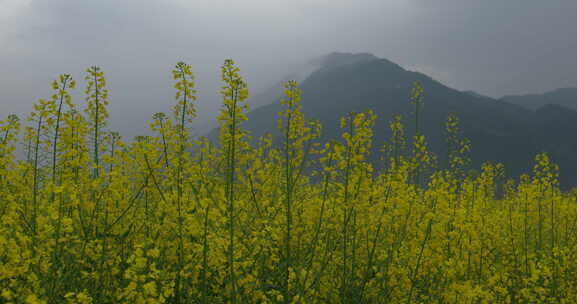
[{"x": 495, "y": 47}]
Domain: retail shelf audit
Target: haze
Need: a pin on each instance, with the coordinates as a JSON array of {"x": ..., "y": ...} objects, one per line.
[{"x": 490, "y": 46}]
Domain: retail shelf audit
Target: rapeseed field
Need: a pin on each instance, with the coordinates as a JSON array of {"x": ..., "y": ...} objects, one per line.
[{"x": 87, "y": 217}]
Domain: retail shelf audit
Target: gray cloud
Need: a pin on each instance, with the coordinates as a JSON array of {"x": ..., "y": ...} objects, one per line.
[{"x": 491, "y": 46}]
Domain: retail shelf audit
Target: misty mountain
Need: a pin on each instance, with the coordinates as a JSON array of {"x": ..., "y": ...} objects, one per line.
[
  {"x": 273, "y": 93},
  {"x": 269, "y": 93},
  {"x": 500, "y": 131},
  {"x": 566, "y": 97}
]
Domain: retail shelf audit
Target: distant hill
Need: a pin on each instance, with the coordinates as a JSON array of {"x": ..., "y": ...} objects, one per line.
[
  {"x": 500, "y": 131},
  {"x": 566, "y": 97},
  {"x": 475, "y": 94}
]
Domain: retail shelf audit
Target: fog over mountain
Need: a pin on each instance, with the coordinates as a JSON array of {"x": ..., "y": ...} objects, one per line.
[{"x": 493, "y": 47}]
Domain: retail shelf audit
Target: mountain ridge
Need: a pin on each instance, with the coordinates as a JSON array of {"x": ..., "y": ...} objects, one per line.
[{"x": 500, "y": 131}]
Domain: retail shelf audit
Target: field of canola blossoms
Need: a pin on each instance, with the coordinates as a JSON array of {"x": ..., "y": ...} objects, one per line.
[{"x": 86, "y": 217}]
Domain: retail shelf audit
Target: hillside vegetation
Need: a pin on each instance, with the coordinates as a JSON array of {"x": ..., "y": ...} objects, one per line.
[{"x": 294, "y": 217}]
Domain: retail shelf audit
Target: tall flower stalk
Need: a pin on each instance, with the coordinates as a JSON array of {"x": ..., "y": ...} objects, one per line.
[
  {"x": 234, "y": 94},
  {"x": 97, "y": 101},
  {"x": 184, "y": 111}
]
